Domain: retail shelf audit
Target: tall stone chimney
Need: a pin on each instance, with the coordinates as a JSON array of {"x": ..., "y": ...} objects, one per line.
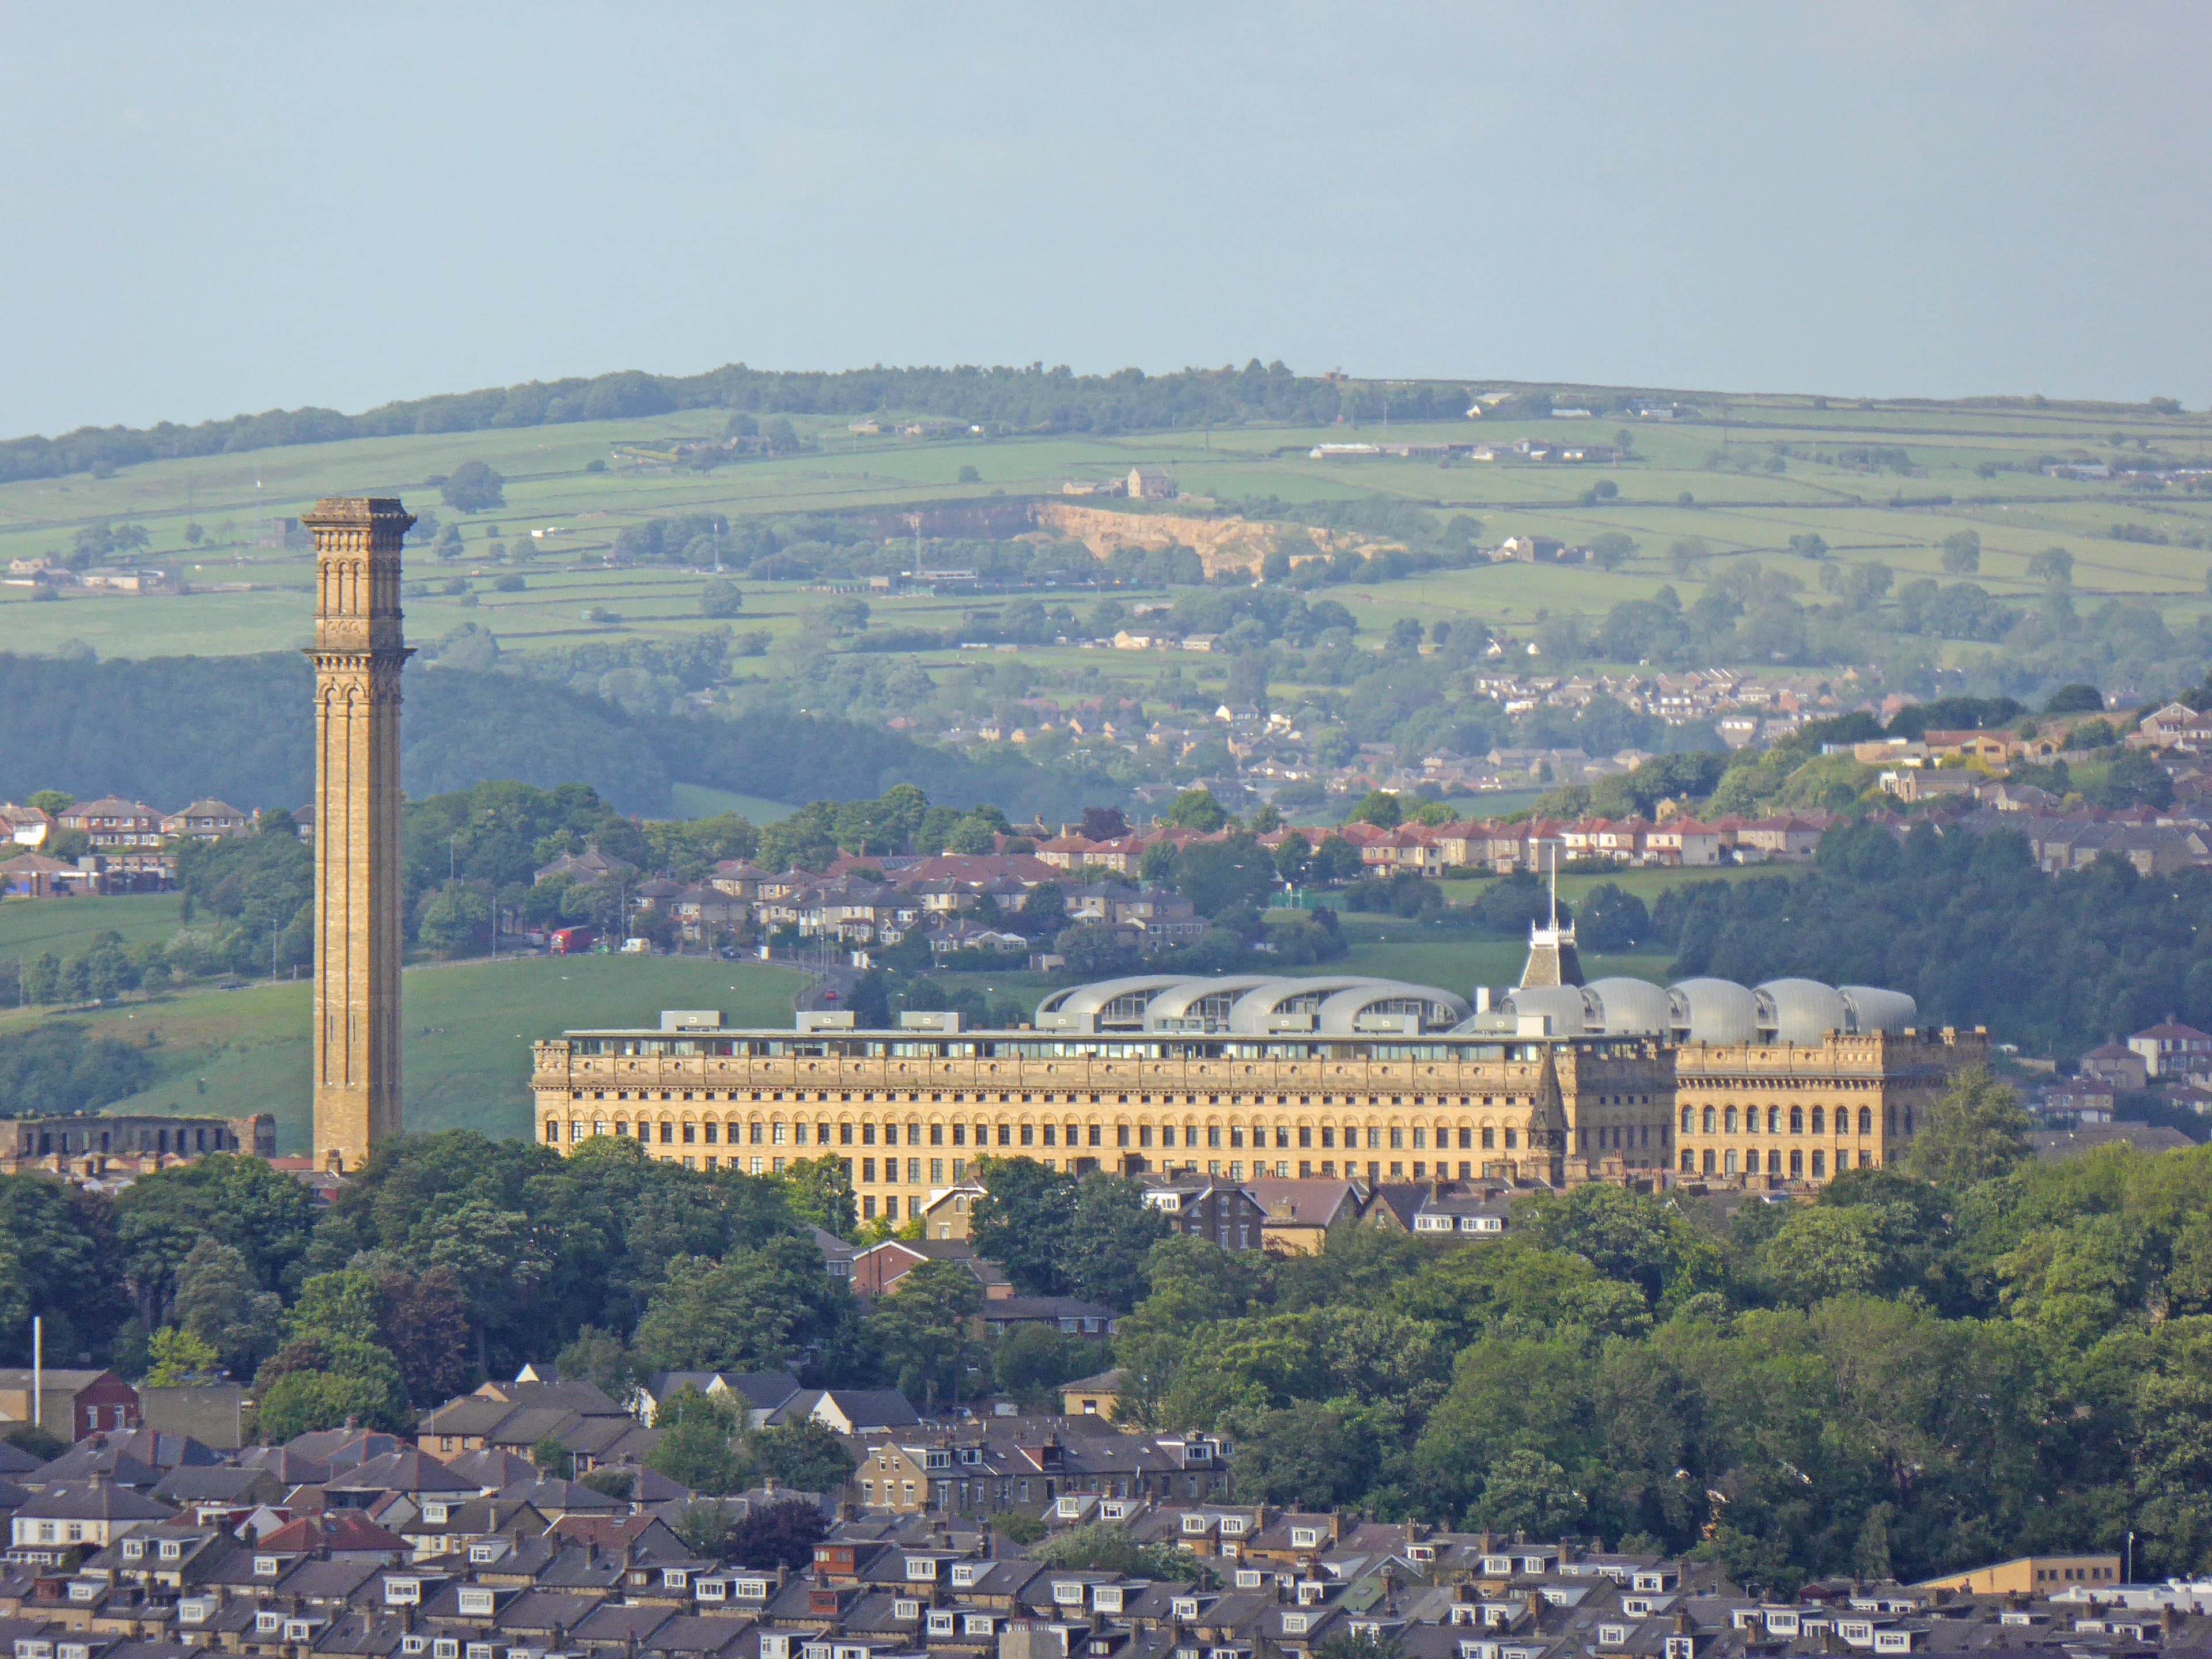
[{"x": 358, "y": 655}]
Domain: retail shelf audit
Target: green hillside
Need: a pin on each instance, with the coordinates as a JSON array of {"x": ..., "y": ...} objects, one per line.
[{"x": 1741, "y": 479}]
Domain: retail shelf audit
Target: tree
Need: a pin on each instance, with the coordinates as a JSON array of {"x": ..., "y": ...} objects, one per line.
[
  {"x": 720, "y": 599},
  {"x": 2054, "y": 565},
  {"x": 2074, "y": 700},
  {"x": 554, "y": 1459},
  {"x": 697, "y": 1442},
  {"x": 971, "y": 475},
  {"x": 1379, "y": 807},
  {"x": 1306, "y": 1456},
  {"x": 1809, "y": 545},
  {"x": 1614, "y": 919},
  {"x": 1095, "y": 950},
  {"x": 1219, "y": 876},
  {"x": 1032, "y": 1360},
  {"x": 1406, "y": 634},
  {"x": 1110, "y": 1231},
  {"x": 1196, "y": 809},
  {"x": 754, "y": 1309},
  {"x": 1527, "y": 1494},
  {"x": 1962, "y": 553},
  {"x": 454, "y": 920},
  {"x": 846, "y": 615},
  {"x": 473, "y": 487},
  {"x": 1293, "y": 859},
  {"x": 179, "y": 1358},
  {"x": 923, "y": 1326},
  {"x": 1103, "y": 823},
  {"x": 219, "y": 1303},
  {"x": 1612, "y": 549},
  {"x": 1975, "y": 1132},
  {"x": 820, "y": 1192},
  {"x": 805, "y": 1456},
  {"x": 1021, "y": 1218}
]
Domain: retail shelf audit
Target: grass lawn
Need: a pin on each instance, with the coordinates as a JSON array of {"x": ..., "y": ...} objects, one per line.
[
  {"x": 1646, "y": 884},
  {"x": 30, "y": 927},
  {"x": 467, "y": 1029},
  {"x": 696, "y": 801}
]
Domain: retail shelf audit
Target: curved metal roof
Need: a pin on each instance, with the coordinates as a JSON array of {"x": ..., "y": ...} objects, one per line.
[
  {"x": 1627, "y": 1008},
  {"x": 1717, "y": 1011},
  {"x": 1873, "y": 1009},
  {"x": 1799, "y": 1010}
]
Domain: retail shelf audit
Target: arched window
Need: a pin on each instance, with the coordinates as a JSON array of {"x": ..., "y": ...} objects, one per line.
[
  {"x": 1774, "y": 1120},
  {"x": 1796, "y": 1165},
  {"x": 1728, "y": 1162},
  {"x": 1796, "y": 1120},
  {"x": 1866, "y": 1121},
  {"x": 1908, "y": 1120},
  {"x": 1709, "y": 1160},
  {"x": 1689, "y": 1162},
  {"x": 1708, "y": 1120},
  {"x": 1817, "y": 1170},
  {"x": 1686, "y": 1120},
  {"x": 1819, "y": 1120},
  {"x": 1730, "y": 1116}
]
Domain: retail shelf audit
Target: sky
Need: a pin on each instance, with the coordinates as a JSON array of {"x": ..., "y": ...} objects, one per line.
[{"x": 209, "y": 210}]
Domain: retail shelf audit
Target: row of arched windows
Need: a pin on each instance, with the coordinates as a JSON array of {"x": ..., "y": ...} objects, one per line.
[
  {"x": 1725, "y": 1120},
  {"x": 1212, "y": 1137},
  {"x": 1724, "y": 1162}
]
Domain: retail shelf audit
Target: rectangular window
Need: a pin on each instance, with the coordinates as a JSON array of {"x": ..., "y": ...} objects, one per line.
[
  {"x": 844, "y": 1134},
  {"x": 1028, "y": 1135},
  {"x": 1420, "y": 1138},
  {"x": 937, "y": 1134},
  {"x": 1509, "y": 1138},
  {"x": 1489, "y": 1138},
  {"x": 1144, "y": 1135},
  {"x": 714, "y": 1131},
  {"x": 1374, "y": 1138},
  {"x": 868, "y": 1173},
  {"x": 1466, "y": 1140},
  {"x": 914, "y": 1172},
  {"x": 936, "y": 1172},
  {"x": 1006, "y": 1135},
  {"x": 867, "y": 1134},
  {"x": 690, "y": 1133},
  {"x": 868, "y": 1206},
  {"x": 960, "y": 1134},
  {"x": 775, "y": 1133},
  {"x": 1213, "y": 1137},
  {"x": 1121, "y": 1135},
  {"x": 959, "y": 1168},
  {"x": 1327, "y": 1136},
  {"x": 1097, "y": 1135},
  {"x": 1049, "y": 1131}
]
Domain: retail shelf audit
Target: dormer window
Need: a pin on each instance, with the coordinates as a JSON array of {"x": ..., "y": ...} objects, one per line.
[
  {"x": 1248, "y": 1578},
  {"x": 134, "y": 1549},
  {"x": 172, "y": 1549},
  {"x": 940, "y": 1624},
  {"x": 964, "y": 1574},
  {"x": 1681, "y": 1647},
  {"x": 1305, "y": 1537},
  {"x": 1232, "y": 1526},
  {"x": 906, "y": 1608},
  {"x": 921, "y": 1569},
  {"x": 435, "y": 1514},
  {"x": 1612, "y": 1635}
]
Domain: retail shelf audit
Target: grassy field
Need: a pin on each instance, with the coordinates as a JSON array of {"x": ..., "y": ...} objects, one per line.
[
  {"x": 1737, "y": 513},
  {"x": 29, "y": 927},
  {"x": 467, "y": 1031},
  {"x": 696, "y": 801}
]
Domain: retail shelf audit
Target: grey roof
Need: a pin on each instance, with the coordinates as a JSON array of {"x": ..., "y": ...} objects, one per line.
[{"x": 97, "y": 1500}]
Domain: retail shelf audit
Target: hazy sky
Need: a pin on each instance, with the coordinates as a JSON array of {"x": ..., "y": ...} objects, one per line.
[{"x": 206, "y": 209}]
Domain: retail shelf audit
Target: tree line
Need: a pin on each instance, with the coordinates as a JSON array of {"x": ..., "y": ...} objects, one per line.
[
  {"x": 1031, "y": 400},
  {"x": 171, "y": 730},
  {"x": 1974, "y": 1357}
]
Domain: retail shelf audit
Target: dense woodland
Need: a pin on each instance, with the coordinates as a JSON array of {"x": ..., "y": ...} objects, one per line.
[
  {"x": 174, "y": 729},
  {"x": 1950, "y": 1361}
]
